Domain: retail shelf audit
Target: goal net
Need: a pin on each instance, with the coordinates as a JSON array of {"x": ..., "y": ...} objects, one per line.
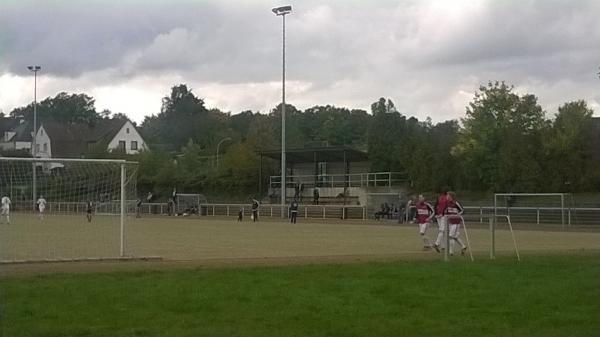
[
  {"x": 65, "y": 209},
  {"x": 189, "y": 203},
  {"x": 535, "y": 208}
]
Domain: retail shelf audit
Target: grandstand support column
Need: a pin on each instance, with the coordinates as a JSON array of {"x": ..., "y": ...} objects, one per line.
[
  {"x": 316, "y": 169},
  {"x": 345, "y": 185},
  {"x": 562, "y": 210},
  {"x": 122, "y": 251},
  {"x": 260, "y": 175}
]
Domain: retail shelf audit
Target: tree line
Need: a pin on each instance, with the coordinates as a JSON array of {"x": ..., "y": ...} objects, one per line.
[{"x": 504, "y": 142}]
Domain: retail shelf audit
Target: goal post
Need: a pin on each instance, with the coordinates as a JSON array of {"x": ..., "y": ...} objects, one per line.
[
  {"x": 189, "y": 202},
  {"x": 80, "y": 212},
  {"x": 505, "y": 201},
  {"x": 525, "y": 208}
]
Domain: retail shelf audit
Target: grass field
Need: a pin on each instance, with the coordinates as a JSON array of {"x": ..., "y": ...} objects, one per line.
[
  {"x": 541, "y": 296},
  {"x": 218, "y": 277},
  {"x": 67, "y": 237}
]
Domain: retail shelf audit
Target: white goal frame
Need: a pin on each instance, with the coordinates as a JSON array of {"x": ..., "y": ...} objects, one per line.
[
  {"x": 561, "y": 195},
  {"x": 200, "y": 200},
  {"x": 122, "y": 163},
  {"x": 495, "y": 216}
]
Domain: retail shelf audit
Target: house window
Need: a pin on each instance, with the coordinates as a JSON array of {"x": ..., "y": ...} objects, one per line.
[
  {"x": 134, "y": 145},
  {"x": 42, "y": 132},
  {"x": 37, "y": 148},
  {"x": 127, "y": 130},
  {"x": 121, "y": 145},
  {"x": 46, "y": 147}
]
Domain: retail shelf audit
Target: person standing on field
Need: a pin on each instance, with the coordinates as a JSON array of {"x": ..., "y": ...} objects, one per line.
[
  {"x": 255, "y": 205},
  {"x": 423, "y": 216},
  {"x": 5, "y": 209},
  {"x": 293, "y": 211},
  {"x": 41, "y": 203},
  {"x": 89, "y": 210},
  {"x": 453, "y": 210},
  {"x": 440, "y": 207}
]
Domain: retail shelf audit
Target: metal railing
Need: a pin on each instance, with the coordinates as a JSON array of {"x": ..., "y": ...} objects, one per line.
[
  {"x": 476, "y": 214},
  {"x": 537, "y": 215},
  {"x": 374, "y": 179}
]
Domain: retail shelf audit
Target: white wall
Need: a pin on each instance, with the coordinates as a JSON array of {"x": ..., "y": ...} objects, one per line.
[
  {"x": 331, "y": 168},
  {"x": 133, "y": 135},
  {"x": 22, "y": 145},
  {"x": 41, "y": 138}
]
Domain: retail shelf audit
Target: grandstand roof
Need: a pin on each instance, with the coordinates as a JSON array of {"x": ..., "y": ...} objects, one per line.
[{"x": 318, "y": 154}]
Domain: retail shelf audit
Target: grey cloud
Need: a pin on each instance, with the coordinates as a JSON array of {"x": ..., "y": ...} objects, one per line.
[{"x": 419, "y": 53}]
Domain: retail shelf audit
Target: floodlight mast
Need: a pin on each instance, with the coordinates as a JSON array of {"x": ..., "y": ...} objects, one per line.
[
  {"x": 34, "y": 69},
  {"x": 283, "y": 11}
]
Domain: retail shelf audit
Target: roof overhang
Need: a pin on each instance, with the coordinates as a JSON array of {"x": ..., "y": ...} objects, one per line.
[{"x": 320, "y": 154}]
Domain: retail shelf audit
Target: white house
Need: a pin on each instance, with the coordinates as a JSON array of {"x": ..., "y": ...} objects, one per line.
[
  {"x": 16, "y": 134},
  {"x": 56, "y": 140}
]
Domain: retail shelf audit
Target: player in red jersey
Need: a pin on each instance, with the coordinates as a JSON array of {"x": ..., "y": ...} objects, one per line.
[
  {"x": 424, "y": 214},
  {"x": 440, "y": 206},
  {"x": 453, "y": 207}
]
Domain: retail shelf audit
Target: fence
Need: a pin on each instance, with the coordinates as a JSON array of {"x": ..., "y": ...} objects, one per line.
[
  {"x": 65, "y": 207},
  {"x": 478, "y": 214},
  {"x": 373, "y": 179}
]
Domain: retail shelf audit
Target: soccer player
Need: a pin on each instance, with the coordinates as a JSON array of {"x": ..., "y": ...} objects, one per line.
[
  {"x": 423, "y": 216},
  {"x": 453, "y": 207},
  {"x": 440, "y": 207},
  {"x": 410, "y": 209},
  {"x": 138, "y": 208},
  {"x": 5, "y": 209},
  {"x": 255, "y": 205},
  {"x": 41, "y": 203},
  {"x": 293, "y": 211},
  {"x": 241, "y": 215},
  {"x": 90, "y": 209}
]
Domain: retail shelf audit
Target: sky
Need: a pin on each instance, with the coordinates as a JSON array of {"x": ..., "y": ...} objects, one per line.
[{"x": 428, "y": 57}]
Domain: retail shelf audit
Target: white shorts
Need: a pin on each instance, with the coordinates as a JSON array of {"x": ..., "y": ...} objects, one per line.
[
  {"x": 5, "y": 210},
  {"x": 454, "y": 230},
  {"x": 423, "y": 227},
  {"x": 441, "y": 223},
  {"x": 42, "y": 208}
]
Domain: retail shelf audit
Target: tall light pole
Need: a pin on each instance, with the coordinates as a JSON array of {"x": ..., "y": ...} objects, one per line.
[
  {"x": 283, "y": 11},
  {"x": 34, "y": 69},
  {"x": 218, "y": 145}
]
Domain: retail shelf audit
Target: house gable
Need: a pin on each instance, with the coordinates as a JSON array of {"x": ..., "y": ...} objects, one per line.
[{"x": 129, "y": 138}]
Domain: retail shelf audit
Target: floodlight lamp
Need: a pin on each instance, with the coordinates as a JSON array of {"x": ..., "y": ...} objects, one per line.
[{"x": 283, "y": 10}]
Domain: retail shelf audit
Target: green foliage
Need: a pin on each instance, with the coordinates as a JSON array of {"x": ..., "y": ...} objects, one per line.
[
  {"x": 504, "y": 143},
  {"x": 500, "y": 144},
  {"x": 570, "y": 148},
  {"x": 64, "y": 108}
]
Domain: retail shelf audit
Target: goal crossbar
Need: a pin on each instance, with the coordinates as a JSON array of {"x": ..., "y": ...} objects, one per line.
[
  {"x": 58, "y": 160},
  {"x": 561, "y": 195}
]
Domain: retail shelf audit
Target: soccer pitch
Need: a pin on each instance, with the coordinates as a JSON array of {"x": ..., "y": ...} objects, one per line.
[
  {"x": 220, "y": 277},
  {"x": 206, "y": 238}
]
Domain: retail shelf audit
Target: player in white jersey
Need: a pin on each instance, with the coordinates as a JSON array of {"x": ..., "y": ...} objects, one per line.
[
  {"x": 41, "y": 202},
  {"x": 5, "y": 209}
]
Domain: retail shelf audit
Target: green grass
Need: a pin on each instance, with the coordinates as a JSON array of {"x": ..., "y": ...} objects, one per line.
[{"x": 541, "y": 296}]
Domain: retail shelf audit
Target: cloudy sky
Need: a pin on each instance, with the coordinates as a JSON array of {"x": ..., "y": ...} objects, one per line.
[{"x": 429, "y": 57}]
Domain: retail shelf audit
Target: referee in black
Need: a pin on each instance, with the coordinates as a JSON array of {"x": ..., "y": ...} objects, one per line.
[{"x": 294, "y": 210}]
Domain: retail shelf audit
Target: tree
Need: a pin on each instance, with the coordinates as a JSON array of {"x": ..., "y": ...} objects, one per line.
[
  {"x": 500, "y": 143},
  {"x": 385, "y": 136},
  {"x": 64, "y": 108},
  {"x": 570, "y": 165}
]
